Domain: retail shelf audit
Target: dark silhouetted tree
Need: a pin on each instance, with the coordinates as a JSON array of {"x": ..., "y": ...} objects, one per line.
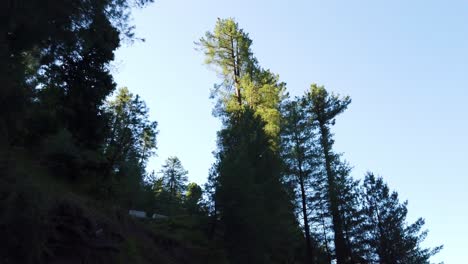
[
  {"x": 193, "y": 198},
  {"x": 173, "y": 181},
  {"x": 254, "y": 207},
  {"x": 130, "y": 141},
  {"x": 130, "y": 129},
  {"x": 391, "y": 239},
  {"x": 323, "y": 109},
  {"x": 63, "y": 46},
  {"x": 297, "y": 144}
]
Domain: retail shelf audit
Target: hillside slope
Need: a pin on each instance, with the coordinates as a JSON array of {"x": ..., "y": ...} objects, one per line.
[{"x": 44, "y": 221}]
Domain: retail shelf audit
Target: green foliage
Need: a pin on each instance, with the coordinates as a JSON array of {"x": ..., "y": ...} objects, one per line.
[
  {"x": 344, "y": 225},
  {"x": 253, "y": 205},
  {"x": 131, "y": 131},
  {"x": 265, "y": 94},
  {"x": 323, "y": 108},
  {"x": 64, "y": 46},
  {"x": 174, "y": 177},
  {"x": 351, "y": 212},
  {"x": 193, "y": 198},
  {"x": 389, "y": 237},
  {"x": 59, "y": 126},
  {"x": 326, "y": 194},
  {"x": 171, "y": 186},
  {"x": 130, "y": 141},
  {"x": 244, "y": 82},
  {"x": 297, "y": 146},
  {"x": 227, "y": 48},
  {"x": 54, "y": 64}
]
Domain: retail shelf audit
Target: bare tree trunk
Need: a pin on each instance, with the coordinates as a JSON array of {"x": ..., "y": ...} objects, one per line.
[
  {"x": 341, "y": 249},
  {"x": 309, "y": 251}
]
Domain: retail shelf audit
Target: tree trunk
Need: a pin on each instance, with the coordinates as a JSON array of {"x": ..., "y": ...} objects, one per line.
[
  {"x": 309, "y": 251},
  {"x": 341, "y": 250},
  {"x": 236, "y": 73}
]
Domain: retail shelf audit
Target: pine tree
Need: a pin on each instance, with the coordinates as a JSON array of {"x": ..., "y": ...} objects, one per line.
[
  {"x": 350, "y": 208},
  {"x": 130, "y": 128},
  {"x": 304, "y": 156},
  {"x": 54, "y": 67},
  {"x": 323, "y": 109},
  {"x": 61, "y": 46},
  {"x": 392, "y": 240},
  {"x": 130, "y": 141},
  {"x": 249, "y": 197},
  {"x": 173, "y": 182},
  {"x": 297, "y": 144}
]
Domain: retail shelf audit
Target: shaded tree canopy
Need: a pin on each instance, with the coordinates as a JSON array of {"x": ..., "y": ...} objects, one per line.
[
  {"x": 174, "y": 176},
  {"x": 130, "y": 128},
  {"x": 391, "y": 239},
  {"x": 253, "y": 204},
  {"x": 56, "y": 54},
  {"x": 193, "y": 198}
]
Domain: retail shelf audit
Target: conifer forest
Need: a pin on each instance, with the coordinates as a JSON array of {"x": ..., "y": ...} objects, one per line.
[{"x": 76, "y": 185}]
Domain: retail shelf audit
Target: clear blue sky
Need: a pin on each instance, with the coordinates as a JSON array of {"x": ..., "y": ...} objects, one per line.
[{"x": 404, "y": 64}]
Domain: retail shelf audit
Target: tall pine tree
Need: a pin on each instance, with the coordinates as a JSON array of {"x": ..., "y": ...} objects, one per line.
[
  {"x": 323, "y": 109},
  {"x": 297, "y": 145},
  {"x": 250, "y": 198}
]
